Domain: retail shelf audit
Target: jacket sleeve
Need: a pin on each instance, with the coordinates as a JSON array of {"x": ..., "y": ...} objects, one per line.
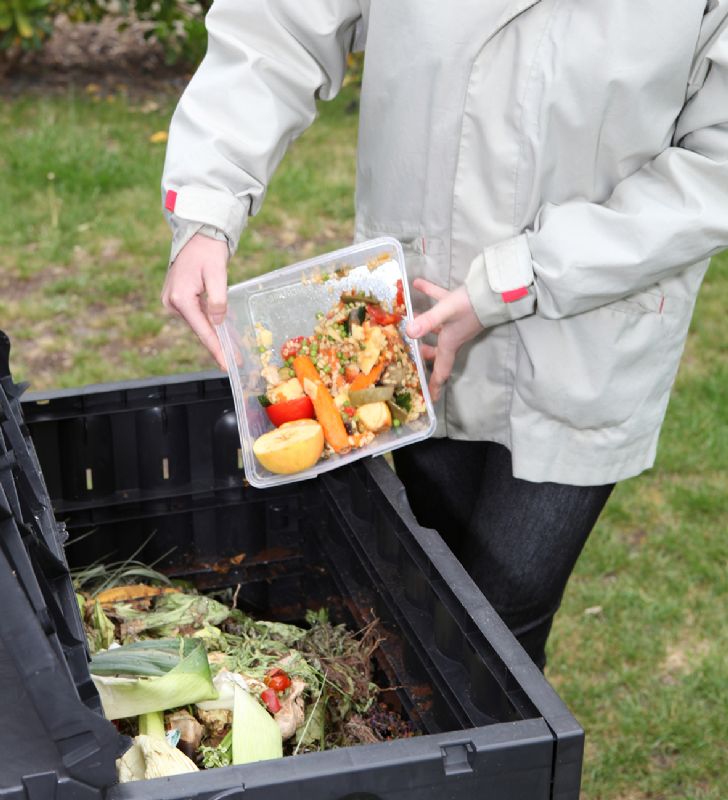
[
  {"x": 669, "y": 214},
  {"x": 255, "y": 91}
]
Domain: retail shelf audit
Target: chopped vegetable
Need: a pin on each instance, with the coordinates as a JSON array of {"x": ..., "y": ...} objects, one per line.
[
  {"x": 189, "y": 729},
  {"x": 152, "y": 724},
  {"x": 374, "y": 342},
  {"x": 263, "y": 400},
  {"x": 277, "y": 680},
  {"x": 256, "y": 735},
  {"x": 381, "y": 317},
  {"x": 151, "y": 757},
  {"x": 103, "y": 629},
  {"x": 398, "y": 413},
  {"x": 358, "y": 297},
  {"x": 290, "y": 389},
  {"x": 356, "y": 317},
  {"x": 270, "y": 698},
  {"x": 403, "y": 400},
  {"x": 131, "y": 592},
  {"x": 373, "y": 394},
  {"x": 150, "y": 676},
  {"x": 363, "y": 380},
  {"x": 289, "y": 410},
  {"x": 399, "y": 300},
  {"x": 172, "y": 613},
  {"x": 375, "y": 417},
  {"x": 219, "y": 756},
  {"x": 326, "y": 411}
]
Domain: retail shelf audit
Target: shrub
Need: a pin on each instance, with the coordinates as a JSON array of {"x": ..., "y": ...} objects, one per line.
[
  {"x": 23, "y": 25},
  {"x": 179, "y": 25}
]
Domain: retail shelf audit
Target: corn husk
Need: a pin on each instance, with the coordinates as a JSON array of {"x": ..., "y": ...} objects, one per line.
[
  {"x": 152, "y": 757},
  {"x": 148, "y": 676}
]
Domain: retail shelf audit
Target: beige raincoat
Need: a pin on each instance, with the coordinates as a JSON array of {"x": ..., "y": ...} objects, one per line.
[{"x": 566, "y": 159}]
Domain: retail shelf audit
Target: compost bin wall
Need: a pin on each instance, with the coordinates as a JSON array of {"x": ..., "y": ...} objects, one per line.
[{"x": 157, "y": 462}]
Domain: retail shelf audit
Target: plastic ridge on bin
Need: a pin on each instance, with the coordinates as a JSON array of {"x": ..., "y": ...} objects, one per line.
[{"x": 490, "y": 725}]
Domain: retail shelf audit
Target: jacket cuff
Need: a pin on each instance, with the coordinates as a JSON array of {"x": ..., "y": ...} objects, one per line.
[
  {"x": 191, "y": 209},
  {"x": 183, "y": 231},
  {"x": 500, "y": 282}
]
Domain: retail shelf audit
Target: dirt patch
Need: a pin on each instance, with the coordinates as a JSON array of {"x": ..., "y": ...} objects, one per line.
[
  {"x": 682, "y": 658},
  {"x": 106, "y": 53}
]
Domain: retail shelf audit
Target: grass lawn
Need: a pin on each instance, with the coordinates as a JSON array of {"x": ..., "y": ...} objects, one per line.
[
  {"x": 640, "y": 648},
  {"x": 83, "y": 245}
]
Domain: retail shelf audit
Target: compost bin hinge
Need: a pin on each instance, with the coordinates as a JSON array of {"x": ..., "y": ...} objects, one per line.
[
  {"x": 41, "y": 786},
  {"x": 456, "y": 757}
]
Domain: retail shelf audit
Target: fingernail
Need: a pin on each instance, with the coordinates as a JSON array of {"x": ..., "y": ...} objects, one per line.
[
  {"x": 217, "y": 319},
  {"x": 413, "y": 329}
]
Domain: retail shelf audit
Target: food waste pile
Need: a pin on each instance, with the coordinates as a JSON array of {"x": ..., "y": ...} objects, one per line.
[{"x": 199, "y": 684}]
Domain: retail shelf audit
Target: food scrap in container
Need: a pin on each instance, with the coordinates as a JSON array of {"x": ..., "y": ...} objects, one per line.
[{"x": 324, "y": 341}]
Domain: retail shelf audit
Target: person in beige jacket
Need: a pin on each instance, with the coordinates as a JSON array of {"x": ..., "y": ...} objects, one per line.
[{"x": 557, "y": 172}]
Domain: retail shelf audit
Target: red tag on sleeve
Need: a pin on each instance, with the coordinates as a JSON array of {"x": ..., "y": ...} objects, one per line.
[
  {"x": 514, "y": 294},
  {"x": 170, "y": 199}
]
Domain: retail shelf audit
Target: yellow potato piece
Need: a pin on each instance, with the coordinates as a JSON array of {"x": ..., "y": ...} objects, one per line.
[
  {"x": 288, "y": 390},
  {"x": 293, "y": 447},
  {"x": 375, "y": 417}
]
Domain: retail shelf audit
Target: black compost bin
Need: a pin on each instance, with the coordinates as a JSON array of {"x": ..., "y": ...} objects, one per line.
[{"x": 162, "y": 457}]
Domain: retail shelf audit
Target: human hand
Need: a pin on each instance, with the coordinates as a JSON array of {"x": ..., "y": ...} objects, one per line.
[
  {"x": 196, "y": 289},
  {"x": 454, "y": 321}
]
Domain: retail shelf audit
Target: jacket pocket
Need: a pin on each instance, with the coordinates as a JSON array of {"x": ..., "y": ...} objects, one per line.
[
  {"x": 602, "y": 369},
  {"x": 650, "y": 301}
]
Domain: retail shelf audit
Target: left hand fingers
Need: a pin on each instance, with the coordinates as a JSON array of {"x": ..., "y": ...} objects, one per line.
[
  {"x": 427, "y": 351},
  {"x": 431, "y": 320},
  {"x": 430, "y": 289},
  {"x": 444, "y": 360},
  {"x": 434, "y": 330}
]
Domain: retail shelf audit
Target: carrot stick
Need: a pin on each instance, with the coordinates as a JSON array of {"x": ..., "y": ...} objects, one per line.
[
  {"x": 363, "y": 381},
  {"x": 323, "y": 404}
]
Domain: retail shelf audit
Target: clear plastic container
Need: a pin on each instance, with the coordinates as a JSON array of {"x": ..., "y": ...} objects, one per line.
[{"x": 285, "y": 302}]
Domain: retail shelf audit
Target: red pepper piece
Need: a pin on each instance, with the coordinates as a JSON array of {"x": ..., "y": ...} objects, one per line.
[
  {"x": 270, "y": 698},
  {"x": 381, "y": 317},
  {"x": 399, "y": 300},
  {"x": 290, "y": 410}
]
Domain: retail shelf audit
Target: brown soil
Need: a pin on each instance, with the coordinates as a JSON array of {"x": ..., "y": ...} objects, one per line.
[{"x": 106, "y": 53}]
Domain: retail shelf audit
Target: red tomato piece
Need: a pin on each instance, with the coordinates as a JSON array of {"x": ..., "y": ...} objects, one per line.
[
  {"x": 278, "y": 680},
  {"x": 290, "y": 410},
  {"x": 270, "y": 698},
  {"x": 290, "y": 348},
  {"x": 381, "y": 317}
]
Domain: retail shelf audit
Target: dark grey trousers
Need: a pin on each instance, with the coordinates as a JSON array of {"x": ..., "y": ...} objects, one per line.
[{"x": 518, "y": 540}]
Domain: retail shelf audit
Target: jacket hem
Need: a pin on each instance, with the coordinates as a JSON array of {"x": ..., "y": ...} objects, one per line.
[{"x": 572, "y": 462}]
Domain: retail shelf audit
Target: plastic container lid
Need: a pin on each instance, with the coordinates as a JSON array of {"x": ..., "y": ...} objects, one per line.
[{"x": 285, "y": 302}]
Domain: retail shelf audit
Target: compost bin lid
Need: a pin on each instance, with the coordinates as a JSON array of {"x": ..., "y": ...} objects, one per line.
[{"x": 53, "y": 729}]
